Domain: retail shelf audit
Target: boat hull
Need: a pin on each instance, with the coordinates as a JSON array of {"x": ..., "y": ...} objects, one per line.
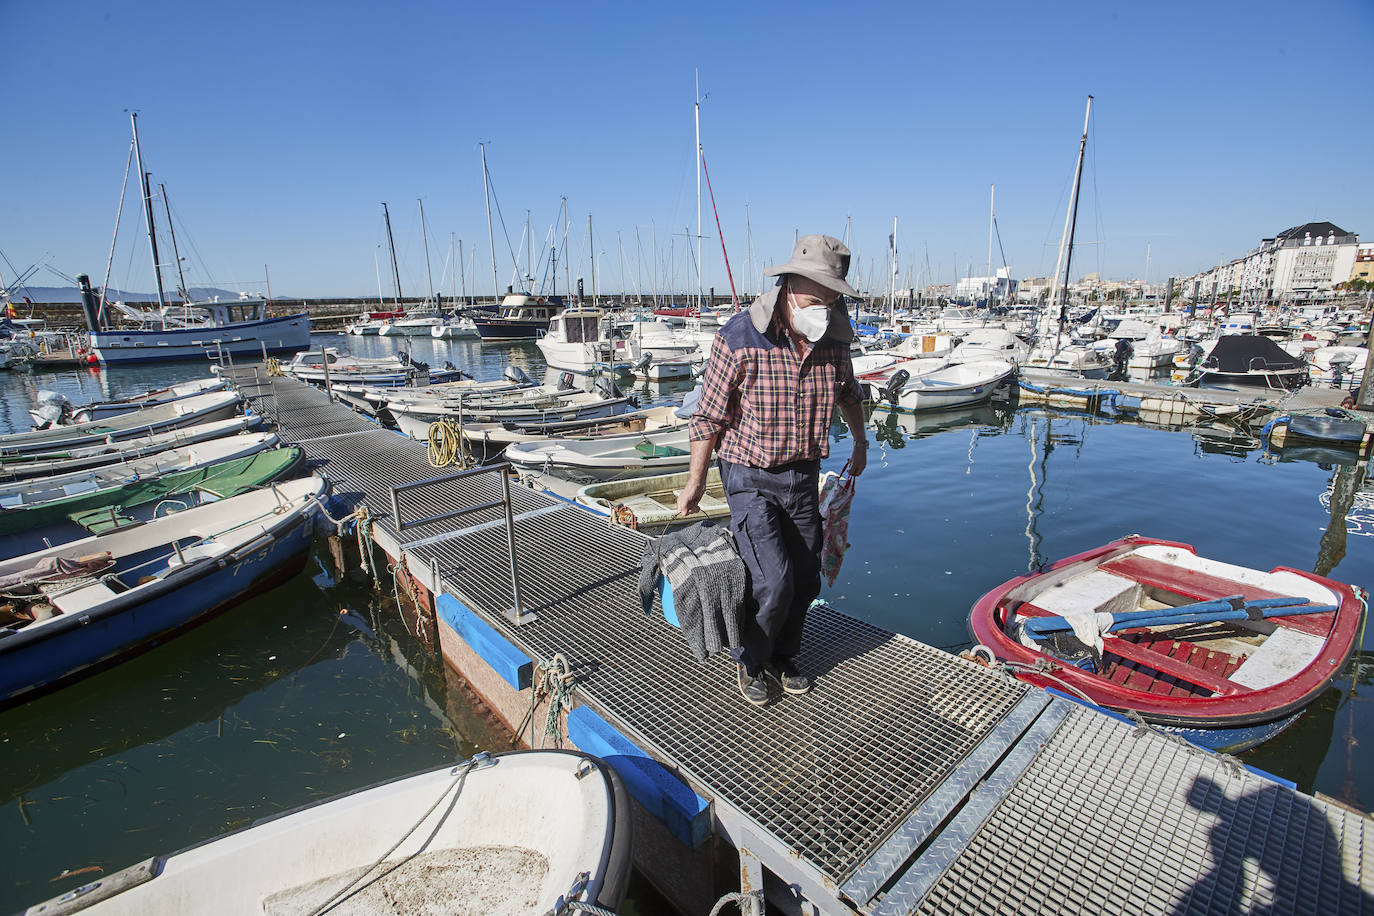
[
  {"x": 284, "y": 334},
  {"x": 506, "y": 329},
  {"x": 81, "y": 644},
  {"x": 1235, "y": 717}
]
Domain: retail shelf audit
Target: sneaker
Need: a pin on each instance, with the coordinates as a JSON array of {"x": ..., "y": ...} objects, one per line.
[
  {"x": 784, "y": 670},
  {"x": 753, "y": 686}
]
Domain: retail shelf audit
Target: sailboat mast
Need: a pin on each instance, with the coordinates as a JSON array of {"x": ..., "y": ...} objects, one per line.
[
  {"x": 992, "y": 215},
  {"x": 175, "y": 253},
  {"x": 491, "y": 239},
  {"x": 653, "y": 241},
  {"x": 892, "y": 275},
  {"x": 1059, "y": 289},
  {"x": 391, "y": 246},
  {"x": 749, "y": 245},
  {"x": 429, "y": 272},
  {"x": 696, "y": 116},
  {"x": 148, "y": 210},
  {"x": 529, "y": 254},
  {"x": 567, "y": 261},
  {"x": 591, "y": 253}
]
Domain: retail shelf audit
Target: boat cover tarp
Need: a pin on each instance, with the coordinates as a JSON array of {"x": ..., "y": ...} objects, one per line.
[
  {"x": 1250, "y": 352},
  {"x": 1328, "y": 429}
]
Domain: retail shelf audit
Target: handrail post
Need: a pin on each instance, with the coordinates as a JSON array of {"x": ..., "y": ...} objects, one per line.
[
  {"x": 517, "y": 613},
  {"x": 324, "y": 361}
]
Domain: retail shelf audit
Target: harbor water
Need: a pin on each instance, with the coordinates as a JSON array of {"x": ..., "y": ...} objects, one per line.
[{"x": 319, "y": 687}]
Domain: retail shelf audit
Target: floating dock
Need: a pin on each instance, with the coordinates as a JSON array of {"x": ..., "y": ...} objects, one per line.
[{"x": 909, "y": 781}]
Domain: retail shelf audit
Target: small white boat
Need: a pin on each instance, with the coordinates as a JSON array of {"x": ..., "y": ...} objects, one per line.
[
  {"x": 217, "y": 405},
  {"x": 413, "y": 325},
  {"x": 357, "y": 370},
  {"x": 666, "y": 370},
  {"x": 953, "y": 386},
  {"x": 99, "y": 410},
  {"x": 520, "y": 832},
  {"x": 604, "y": 457},
  {"x": 103, "y": 453},
  {"x": 1074, "y": 359},
  {"x": 1338, "y": 366},
  {"x": 576, "y": 340},
  {"x": 990, "y": 343}
]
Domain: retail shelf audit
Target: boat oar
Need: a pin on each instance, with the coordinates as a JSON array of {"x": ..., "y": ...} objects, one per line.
[{"x": 1232, "y": 607}]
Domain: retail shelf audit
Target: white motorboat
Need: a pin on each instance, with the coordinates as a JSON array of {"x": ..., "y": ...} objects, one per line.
[
  {"x": 203, "y": 408},
  {"x": 101, "y": 453},
  {"x": 1249, "y": 360},
  {"x": 1072, "y": 359},
  {"x": 648, "y": 369},
  {"x": 454, "y": 327},
  {"x": 1342, "y": 367},
  {"x": 990, "y": 343},
  {"x": 414, "y": 324},
  {"x": 576, "y": 341},
  {"x": 519, "y": 832},
  {"x": 378, "y": 371},
  {"x": 957, "y": 385},
  {"x": 604, "y": 457}
]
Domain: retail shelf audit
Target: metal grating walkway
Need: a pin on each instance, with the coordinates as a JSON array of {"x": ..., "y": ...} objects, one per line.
[{"x": 909, "y": 778}]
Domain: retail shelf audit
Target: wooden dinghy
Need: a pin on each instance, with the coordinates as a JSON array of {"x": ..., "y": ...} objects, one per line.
[
  {"x": 99, "y": 454},
  {"x": 99, "y": 410},
  {"x": 1225, "y": 655}
]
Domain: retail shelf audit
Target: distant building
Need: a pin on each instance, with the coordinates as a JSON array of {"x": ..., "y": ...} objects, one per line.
[
  {"x": 1299, "y": 264},
  {"x": 1363, "y": 266},
  {"x": 977, "y": 289}
]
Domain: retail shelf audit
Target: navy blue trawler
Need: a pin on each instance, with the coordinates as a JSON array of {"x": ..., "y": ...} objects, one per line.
[{"x": 522, "y": 317}]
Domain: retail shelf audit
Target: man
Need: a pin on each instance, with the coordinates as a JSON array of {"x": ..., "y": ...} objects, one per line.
[{"x": 775, "y": 376}]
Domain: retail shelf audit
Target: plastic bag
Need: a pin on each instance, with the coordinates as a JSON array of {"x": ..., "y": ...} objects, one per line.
[{"x": 837, "y": 494}]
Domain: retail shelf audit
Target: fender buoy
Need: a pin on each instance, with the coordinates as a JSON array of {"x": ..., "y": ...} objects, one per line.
[{"x": 92, "y": 359}]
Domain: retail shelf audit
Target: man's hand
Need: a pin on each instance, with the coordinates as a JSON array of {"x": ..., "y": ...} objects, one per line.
[
  {"x": 858, "y": 460},
  {"x": 689, "y": 499}
]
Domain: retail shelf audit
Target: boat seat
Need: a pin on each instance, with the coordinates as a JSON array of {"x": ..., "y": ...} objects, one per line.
[
  {"x": 1201, "y": 586},
  {"x": 84, "y": 597}
]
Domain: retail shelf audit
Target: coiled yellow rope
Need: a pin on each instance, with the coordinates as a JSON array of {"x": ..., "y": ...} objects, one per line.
[{"x": 447, "y": 445}]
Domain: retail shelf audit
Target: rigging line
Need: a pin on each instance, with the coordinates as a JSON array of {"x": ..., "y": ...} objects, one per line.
[
  {"x": 191, "y": 241},
  {"x": 1097, "y": 203},
  {"x": 502, "y": 217},
  {"x": 734, "y": 298}
]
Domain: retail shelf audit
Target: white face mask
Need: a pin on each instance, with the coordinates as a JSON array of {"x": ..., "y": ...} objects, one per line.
[{"x": 810, "y": 321}]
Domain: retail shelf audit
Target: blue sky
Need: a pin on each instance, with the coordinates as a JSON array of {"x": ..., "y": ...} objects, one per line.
[{"x": 279, "y": 127}]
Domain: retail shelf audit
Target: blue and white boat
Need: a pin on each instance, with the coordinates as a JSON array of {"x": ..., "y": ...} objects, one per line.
[
  {"x": 82, "y": 606},
  {"x": 196, "y": 330}
]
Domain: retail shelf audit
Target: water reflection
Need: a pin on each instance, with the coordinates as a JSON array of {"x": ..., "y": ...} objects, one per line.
[{"x": 1339, "y": 500}]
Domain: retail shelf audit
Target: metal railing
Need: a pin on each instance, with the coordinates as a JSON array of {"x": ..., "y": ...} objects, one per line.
[{"x": 516, "y": 614}]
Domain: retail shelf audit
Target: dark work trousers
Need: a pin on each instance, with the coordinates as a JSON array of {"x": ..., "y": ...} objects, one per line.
[{"x": 775, "y": 515}]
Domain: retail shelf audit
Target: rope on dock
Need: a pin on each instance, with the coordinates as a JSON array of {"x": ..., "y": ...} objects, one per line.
[
  {"x": 448, "y": 445},
  {"x": 552, "y": 681}
]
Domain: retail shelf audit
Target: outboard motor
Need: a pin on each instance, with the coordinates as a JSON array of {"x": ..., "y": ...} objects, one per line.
[
  {"x": 404, "y": 357},
  {"x": 895, "y": 385},
  {"x": 565, "y": 381},
  {"x": 1122, "y": 355},
  {"x": 517, "y": 375},
  {"x": 643, "y": 362},
  {"x": 52, "y": 410},
  {"x": 608, "y": 388}
]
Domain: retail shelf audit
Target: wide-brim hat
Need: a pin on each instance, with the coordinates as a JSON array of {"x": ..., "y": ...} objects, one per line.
[{"x": 821, "y": 259}]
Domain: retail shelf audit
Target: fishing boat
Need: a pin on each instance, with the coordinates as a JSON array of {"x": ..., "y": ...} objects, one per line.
[
  {"x": 65, "y": 461},
  {"x": 1225, "y": 655},
  {"x": 521, "y": 831},
  {"x": 115, "y": 496},
  {"x": 603, "y": 457},
  {"x": 202, "y": 408},
  {"x": 98, "y": 410},
  {"x": 576, "y": 340},
  {"x": 521, "y": 317},
  {"x": 959, "y": 385},
  {"x": 650, "y": 502},
  {"x": 80, "y": 606}
]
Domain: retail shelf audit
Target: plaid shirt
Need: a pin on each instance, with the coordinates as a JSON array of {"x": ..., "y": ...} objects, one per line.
[{"x": 768, "y": 406}]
